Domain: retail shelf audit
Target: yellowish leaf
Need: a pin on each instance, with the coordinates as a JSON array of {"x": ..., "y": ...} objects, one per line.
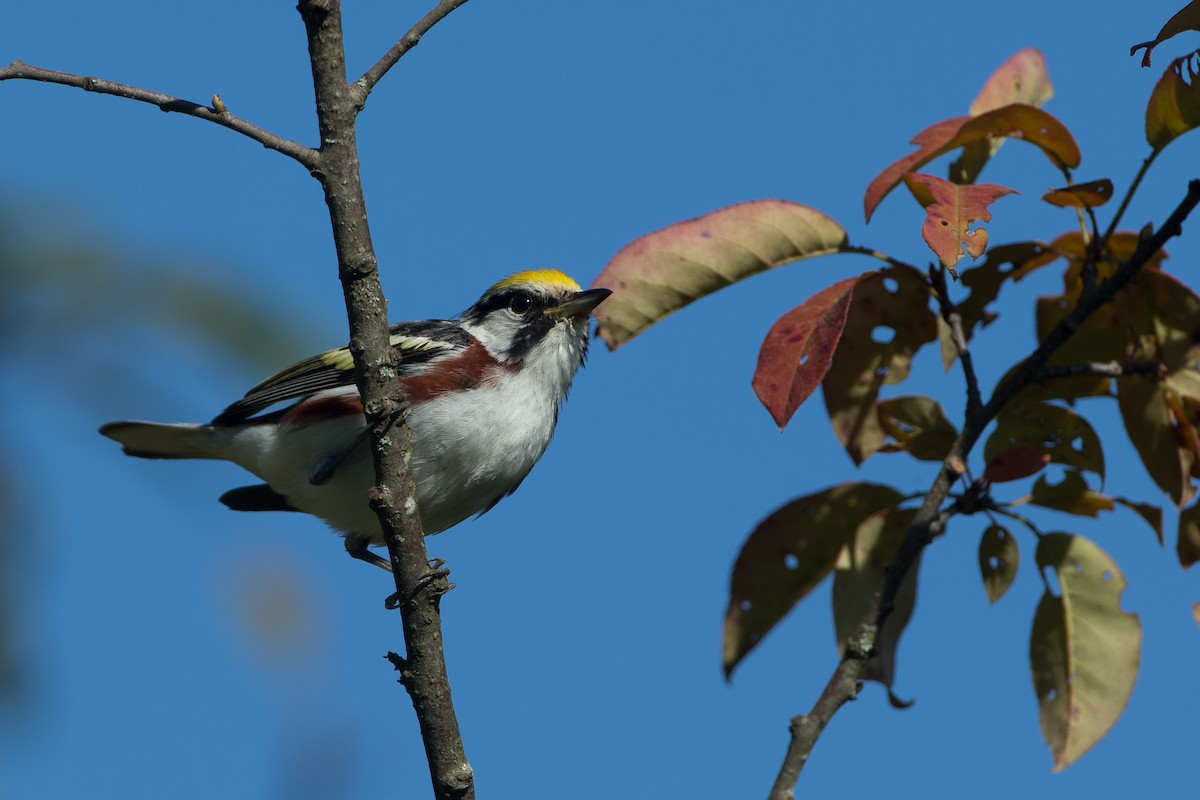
[
  {"x": 1174, "y": 107},
  {"x": 660, "y": 273},
  {"x": 999, "y": 558},
  {"x": 1084, "y": 650},
  {"x": 917, "y": 425}
]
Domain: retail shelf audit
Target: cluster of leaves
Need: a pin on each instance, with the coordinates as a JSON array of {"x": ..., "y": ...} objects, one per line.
[{"x": 861, "y": 334}]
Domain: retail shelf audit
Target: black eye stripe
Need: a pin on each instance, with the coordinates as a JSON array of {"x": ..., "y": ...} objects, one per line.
[{"x": 504, "y": 300}]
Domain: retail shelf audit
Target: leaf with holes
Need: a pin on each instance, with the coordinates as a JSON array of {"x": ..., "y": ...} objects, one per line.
[
  {"x": 889, "y": 320},
  {"x": 859, "y": 574},
  {"x": 1019, "y": 121},
  {"x": 1020, "y": 79},
  {"x": 1187, "y": 19},
  {"x": 1064, "y": 436},
  {"x": 1071, "y": 495},
  {"x": 787, "y": 555},
  {"x": 797, "y": 350},
  {"x": 1002, "y": 263},
  {"x": 660, "y": 273},
  {"x": 917, "y": 425},
  {"x": 950, "y": 211},
  {"x": 998, "y": 561},
  {"x": 1015, "y": 463},
  {"x": 1174, "y": 107},
  {"x": 1081, "y": 195},
  {"x": 1155, "y": 432},
  {"x": 1187, "y": 546},
  {"x": 1084, "y": 650}
]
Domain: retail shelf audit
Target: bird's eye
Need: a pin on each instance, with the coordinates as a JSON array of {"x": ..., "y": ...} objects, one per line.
[{"x": 520, "y": 304}]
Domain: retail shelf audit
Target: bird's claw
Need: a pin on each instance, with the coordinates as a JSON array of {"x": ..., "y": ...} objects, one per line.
[{"x": 437, "y": 571}]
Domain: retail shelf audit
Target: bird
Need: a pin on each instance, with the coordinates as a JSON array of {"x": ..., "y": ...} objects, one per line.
[{"x": 483, "y": 395}]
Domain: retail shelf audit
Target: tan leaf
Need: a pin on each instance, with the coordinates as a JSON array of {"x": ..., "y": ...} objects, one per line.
[
  {"x": 999, "y": 558},
  {"x": 660, "y": 273},
  {"x": 1187, "y": 545},
  {"x": 1174, "y": 107},
  {"x": 917, "y": 425},
  {"x": 889, "y": 320},
  {"x": 950, "y": 211},
  {"x": 1150, "y": 513},
  {"x": 1186, "y": 19},
  {"x": 1072, "y": 495},
  {"x": 1084, "y": 650},
  {"x": 787, "y": 555},
  {"x": 1064, "y": 436},
  {"x": 1145, "y": 405},
  {"x": 796, "y": 352},
  {"x": 860, "y": 573},
  {"x": 1081, "y": 195},
  {"x": 1017, "y": 120}
]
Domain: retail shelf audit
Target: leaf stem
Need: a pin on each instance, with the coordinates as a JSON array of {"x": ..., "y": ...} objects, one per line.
[
  {"x": 1133, "y": 187},
  {"x": 867, "y": 251}
]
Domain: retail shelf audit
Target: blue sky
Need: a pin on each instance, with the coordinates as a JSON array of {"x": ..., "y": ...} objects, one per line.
[{"x": 168, "y": 647}]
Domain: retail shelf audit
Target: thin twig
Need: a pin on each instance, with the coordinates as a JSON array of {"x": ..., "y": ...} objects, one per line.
[
  {"x": 1133, "y": 187},
  {"x": 843, "y": 683},
  {"x": 19, "y": 70},
  {"x": 949, "y": 311},
  {"x": 363, "y": 86},
  {"x": 992, "y": 508},
  {"x": 1110, "y": 369}
]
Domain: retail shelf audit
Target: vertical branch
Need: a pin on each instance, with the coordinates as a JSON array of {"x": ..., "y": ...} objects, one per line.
[
  {"x": 419, "y": 590},
  {"x": 949, "y": 312}
]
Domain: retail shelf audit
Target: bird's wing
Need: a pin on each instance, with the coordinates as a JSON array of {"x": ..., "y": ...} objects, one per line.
[{"x": 420, "y": 344}]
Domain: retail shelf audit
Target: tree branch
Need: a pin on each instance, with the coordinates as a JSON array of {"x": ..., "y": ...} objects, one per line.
[
  {"x": 418, "y": 587},
  {"x": 1110, "y": 369},
  {"x": 949, "y": 311},
  {"x": 844, "y": 682},
  {"x": 19, "y": 70},
  {"x": 364, "y": 85}
]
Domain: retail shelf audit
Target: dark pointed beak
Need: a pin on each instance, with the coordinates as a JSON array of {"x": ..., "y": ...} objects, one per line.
[{"x": 580, "y": 304}]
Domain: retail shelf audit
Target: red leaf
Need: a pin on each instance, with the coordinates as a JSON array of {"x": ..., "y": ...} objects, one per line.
[
  {"x": 796, "y": 353},
  {"x": 1016, "y": 463},
  {"x": 1017, "y": 120},
  {"x": 950, "y": 210}
]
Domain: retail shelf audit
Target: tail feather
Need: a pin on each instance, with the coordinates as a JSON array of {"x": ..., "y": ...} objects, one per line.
[{"x": 161, "y": 440}]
